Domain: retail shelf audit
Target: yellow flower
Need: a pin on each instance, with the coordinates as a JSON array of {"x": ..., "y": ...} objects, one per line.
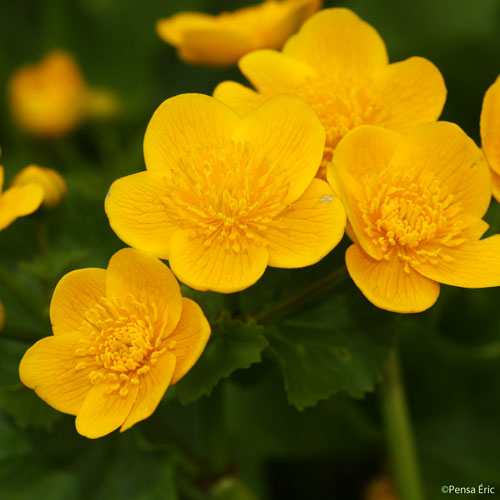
[
  {"x": 18, "y": 201},
  {"x": 490, "y": 133},
  {"x": 49, "y": 98},
  {"x": 52, "y": 183},
  {"x": 221, "y": 40},
  {"x": 122, "y": 336},
  {"x": 339, "y": 65},
  {"x": 415, "y": 205},
  {"x": 224, "y": 197}
]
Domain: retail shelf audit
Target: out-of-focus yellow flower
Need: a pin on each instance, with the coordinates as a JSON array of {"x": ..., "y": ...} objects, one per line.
[
  {"x": 415, "y": 204},
  {"x": 380, "y": 488},
  {"x": 339, "y": 65},
  {"x": 224, "y": 197},
  {"x": 49, "y": 98},
  {"x": 490, "y": 133},
  {"x": 52, "y": 183},
  {"x": 221, "y": 40},
  {"x": 122, "y": 336},
  {"x": 18, "y": 201}
]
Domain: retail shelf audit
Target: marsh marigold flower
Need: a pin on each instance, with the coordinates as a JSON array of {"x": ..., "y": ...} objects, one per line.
[
  {"x": 49, "y": 98},
  {"x": 52, "y": 183},
  {"x": 221, "y": 40},
  {"x": 490, "y": 133},
  {"x": 18, "y": 201},
  {"x": 122, "y": 336},
  {"x": 339, "y": 65},
  {"x": 223, "y": 197},
  {"x": 415, "y": 204}
]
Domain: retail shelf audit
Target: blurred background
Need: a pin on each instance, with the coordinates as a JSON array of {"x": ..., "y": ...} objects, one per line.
[{"x": 450, "y": 354}]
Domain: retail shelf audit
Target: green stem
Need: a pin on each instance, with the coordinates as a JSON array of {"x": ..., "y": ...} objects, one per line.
[
  {"x": 22, "y": 292},
  {"x": 43, "y": 247},
  {"x": 307, "y": 294},
  {"x": 399, "y": 433},
  {"x": 213, "y": 424}
]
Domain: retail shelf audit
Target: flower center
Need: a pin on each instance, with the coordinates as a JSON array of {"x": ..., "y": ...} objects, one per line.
[
  {"x": 411, "y": 218},
  {"x": 228, "y": 193},
  {"x": 123, "y": 339},
  {"x": 341, "y": 104}
]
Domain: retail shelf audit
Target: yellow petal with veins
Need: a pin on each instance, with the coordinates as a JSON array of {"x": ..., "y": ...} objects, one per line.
[
  {"x": 386, "y": 284},
  {"x": 149, "y": 281},
  {"x": 215, "y": 267},
  {"x": 445, "y": 150},
  {"x": 238, "y": 97},
  {"x": 59, "y": 377},
  {"x": 182, "y": 123},
  {"x": 273, "y": 72},
  {"x": 189, "y": 338},
  {"x": 136, "y": 211},
  {"x": 103, "y": 412},
  {"x": 490, "y": 126},
  {"x": 152, "y": 387},
  {"x": 294, "y": 140},
  {"x": 76, "y": 293},
  {"x": 471, "y": 265},
  {"x": 336, "y": 41},
  {"x": 413, "y": 92},
  {"x": 308, "y": 230}
]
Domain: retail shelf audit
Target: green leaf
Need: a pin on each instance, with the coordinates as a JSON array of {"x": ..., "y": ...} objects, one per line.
[
  {"x": 340, "y": 344},
  {"x": 27, "y": 409},
  {"x": 22, "y": 479},
  {"x": 234, "y": 345},
  {"x": 136, "y": 475}
]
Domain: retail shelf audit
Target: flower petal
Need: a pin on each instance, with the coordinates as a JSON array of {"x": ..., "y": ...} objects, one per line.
[
  {"x": 190, "y": 336},
  {"x": 19, "y": 201},
  {"x": 308, "y": 230},
  {"x": 76, "y": 293},
  {"x": 444, "y": 149},
  {"x": 490, "y": 126},
  {"x": 49, "y": 367},
  {"x": 213, "y": 267},
  {"x": 173, "y": 29},
  {"x": 495, "y": 181},
  {"x": 289, "y": 135},
  {"x": 272, "y": 72},
  {"x": 103, "y": 412},
  {"x": 137, "y": 213},
  {"x": 150, "y": 282},
  {"x": 238, "y": 97},
  {"x": 471, "y": 265},
  {"x": 412, "y": 91},
  {"x": 386, "y": 284},
  {"x": 363, "y": 152},
  {"x": 336, "y": 41},
  {"x": 214, "y": 46},
  {"x": 152, "y": 387},
  {"x": 183, "y": 123},
  {"x": 286, "y": 19}
]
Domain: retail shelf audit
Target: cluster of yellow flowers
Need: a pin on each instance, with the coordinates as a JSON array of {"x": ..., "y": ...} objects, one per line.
[{"x": 333, "y": 138}]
